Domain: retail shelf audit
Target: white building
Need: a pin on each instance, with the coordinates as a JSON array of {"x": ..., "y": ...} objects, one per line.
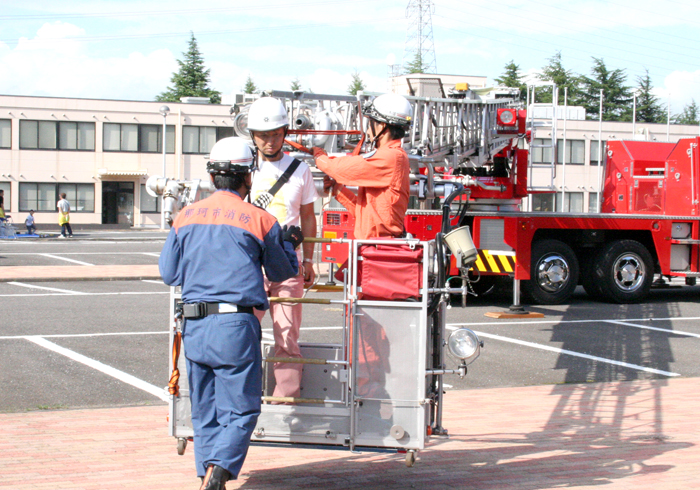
[{"x": 100, "y": 153}]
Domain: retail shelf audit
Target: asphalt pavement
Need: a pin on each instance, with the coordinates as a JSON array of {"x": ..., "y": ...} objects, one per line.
[{"x": 83, "y": 348}]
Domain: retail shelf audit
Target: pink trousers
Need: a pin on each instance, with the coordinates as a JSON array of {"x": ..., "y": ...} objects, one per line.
[{"x": 286, "y": 321}]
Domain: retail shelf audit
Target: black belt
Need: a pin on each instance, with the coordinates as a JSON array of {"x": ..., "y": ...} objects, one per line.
[{"x": 200, "y": 310}]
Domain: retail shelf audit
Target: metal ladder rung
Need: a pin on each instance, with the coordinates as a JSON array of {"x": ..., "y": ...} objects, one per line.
[
  {"x": 685, "y": 273},
  {"x": 684, "y": 241},
  {"x": 297, "y": 360},
  {"x": 291, "y": 399}
]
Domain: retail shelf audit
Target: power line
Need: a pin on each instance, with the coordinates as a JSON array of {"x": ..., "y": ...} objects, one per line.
[
  {"x": 121, "y": 13},
  {"x": 118, "y": 37},
  {"x": 522, "y": 42},
  {"x": 597, "y": 18},
  {"x": 597, "y": 35}
]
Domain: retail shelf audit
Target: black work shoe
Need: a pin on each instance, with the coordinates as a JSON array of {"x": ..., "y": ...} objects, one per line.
[{"x": 215, "y": 478}]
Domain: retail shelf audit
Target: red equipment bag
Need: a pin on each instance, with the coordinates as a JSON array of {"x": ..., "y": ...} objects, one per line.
[{"x": 390, "y": 272}]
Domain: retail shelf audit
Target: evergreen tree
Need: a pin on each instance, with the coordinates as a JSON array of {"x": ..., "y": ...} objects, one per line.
[
  {"x": 561, "y": 77},
  {"x": 512, "y": 78},
  {"x": 295, "y": 85},
  {"x": 690, "y": 114},
  {"x": 357, "y": 85},
  {"x": 192, "y": 79},
  {"x": 617, "y": 97},
  {"x": 250, "y": 87},
  {"x": 648, "y": 108},
  {"x": 415, "y": 66}
]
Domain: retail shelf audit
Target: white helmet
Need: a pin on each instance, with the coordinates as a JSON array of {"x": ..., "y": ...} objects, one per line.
[
  {"x": 392, "y": 109},
  {"x": 229, "y": 156},
  {"x": 266, "y": 114}
]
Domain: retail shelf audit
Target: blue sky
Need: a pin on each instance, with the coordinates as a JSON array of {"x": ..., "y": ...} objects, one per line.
[{"x": 128, "y": 49}]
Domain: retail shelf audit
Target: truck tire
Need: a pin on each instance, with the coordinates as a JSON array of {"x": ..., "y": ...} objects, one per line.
[
  {"x": 624, "y": 271},
  {"x": 554, "y": 273}
]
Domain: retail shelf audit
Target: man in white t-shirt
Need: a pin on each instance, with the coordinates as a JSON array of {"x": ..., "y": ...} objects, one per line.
[
  {"x": 63, "y": 207},
  {"x": 292, "y": 204}
]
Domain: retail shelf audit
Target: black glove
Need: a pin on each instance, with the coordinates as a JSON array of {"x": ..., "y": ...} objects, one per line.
[{"x": 293, "y": 235}]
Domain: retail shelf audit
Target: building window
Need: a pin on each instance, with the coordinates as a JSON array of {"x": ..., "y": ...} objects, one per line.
[
  {"x": 573, "y": 202},
  {"x": 6, "y": 198},
  {"x": 44, "y": 196},
  {"x": 142, "y": 138},
  {"x": 149, "y": 204},
  {"x": 592, "y": 202},
  {"x": 575, "y": 152},
  {"x": 542, "y": 202},
  {"x": 56, "y": 135},
  {"x": 595, "y": 160},
  {"x": 200, "y": 139},
  {"x": 541, "y": 155},
  {"x": 5, "y": 133}
]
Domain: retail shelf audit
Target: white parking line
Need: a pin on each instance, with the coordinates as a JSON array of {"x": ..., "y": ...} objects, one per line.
[
  {"x": 73, "y": 335},
  {"x": 646, "y": 327},
  {"x": 153, "y": 254},
  {"x": 31, "y": 286},
  {"x": 103, "y": 368},
  {"x": 65, "y": 292},
  {"x": 571, "y": 353},
  {"x": 80, "y": 253},
  {"x": 153, "y": 281},
  {"x": 66, "y": 259},
  {"x": 543, "y": 322}
]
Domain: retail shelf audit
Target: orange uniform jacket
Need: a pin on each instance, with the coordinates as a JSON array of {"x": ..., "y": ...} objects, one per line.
[{"x": 380, "y": 205}]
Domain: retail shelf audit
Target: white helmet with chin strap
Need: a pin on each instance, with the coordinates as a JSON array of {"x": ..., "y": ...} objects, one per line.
[
  {"x": 230, "y": 156},
  {"x": 392, "y": 109},
  {"x": 267, "y": 114}
]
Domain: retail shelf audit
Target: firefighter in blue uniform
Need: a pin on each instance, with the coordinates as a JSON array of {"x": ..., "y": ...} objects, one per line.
[{"x": 216, "y": 250}]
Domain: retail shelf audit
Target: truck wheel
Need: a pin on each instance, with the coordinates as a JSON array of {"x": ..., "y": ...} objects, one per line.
[
  {"x": 553, "y": 273},
  {"x": 624, "y": 271}
]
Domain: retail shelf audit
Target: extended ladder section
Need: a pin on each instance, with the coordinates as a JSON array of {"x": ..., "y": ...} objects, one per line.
[
  {"x": 446, "y": 131},
  {"x": 459, "y": 132},
  {"x": 542, "y": 119}
]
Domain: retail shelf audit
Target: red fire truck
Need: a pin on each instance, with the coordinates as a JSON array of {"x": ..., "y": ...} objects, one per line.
[{"x": 648, "y": 222}]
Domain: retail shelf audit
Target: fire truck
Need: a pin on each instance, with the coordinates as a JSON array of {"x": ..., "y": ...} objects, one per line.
[{"x": 648, "y": 224}]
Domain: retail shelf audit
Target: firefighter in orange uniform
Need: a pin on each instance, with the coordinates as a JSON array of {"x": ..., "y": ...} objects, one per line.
[
  {"x": 382, "y": 175},
  {"x": 379, "y": 208}
]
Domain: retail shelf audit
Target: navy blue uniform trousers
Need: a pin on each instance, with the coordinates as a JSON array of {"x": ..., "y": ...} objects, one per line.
[{"x": 225, "y": 376}]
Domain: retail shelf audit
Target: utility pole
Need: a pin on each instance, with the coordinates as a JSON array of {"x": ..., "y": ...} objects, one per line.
[{"x": 419, "y": 36}]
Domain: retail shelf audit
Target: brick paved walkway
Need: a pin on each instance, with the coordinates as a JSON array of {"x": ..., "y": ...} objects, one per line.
[{"x": 631, "y": 435}]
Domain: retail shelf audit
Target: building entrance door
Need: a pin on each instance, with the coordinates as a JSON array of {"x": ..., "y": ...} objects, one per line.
[{"x": 118, "y": 203}]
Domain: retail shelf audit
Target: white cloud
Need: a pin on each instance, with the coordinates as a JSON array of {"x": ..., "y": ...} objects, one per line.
[
  {"x": 680, "y": 87},
  {"x": 56, "y": 63}
]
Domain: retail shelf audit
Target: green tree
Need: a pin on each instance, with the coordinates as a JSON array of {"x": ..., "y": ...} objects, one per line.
[
  {"x": 415, "y": 66},
  {"x": 192, "y": 79},
  {"x": 295, "y": 85},
  {"x": 555, "y": 72},
  {"x": 250, "y": 87},
  {"x": 690, "y": 114},
  {"x": 357, "y": 85},
  {"x": 512, "y": 78},
  {"x": 648, "y": 108},
  {"x": 617, "y": 97}
]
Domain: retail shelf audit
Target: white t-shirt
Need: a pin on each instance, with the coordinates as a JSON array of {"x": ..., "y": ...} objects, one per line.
[
  {"x": 287, "y": 202},
  {"x": 63, "y": 206}
]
